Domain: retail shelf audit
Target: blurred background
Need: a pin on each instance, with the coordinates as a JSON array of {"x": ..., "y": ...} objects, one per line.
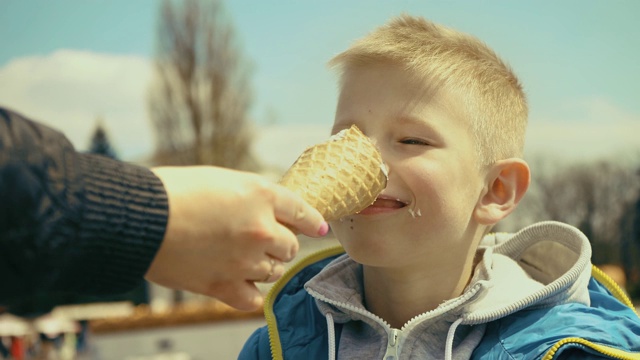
[{"x": 243, "y": 84}]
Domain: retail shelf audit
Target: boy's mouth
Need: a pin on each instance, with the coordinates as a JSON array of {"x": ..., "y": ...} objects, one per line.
[
  {"x": 383, "y": 204},
  {"x": 389, "y": 203}
]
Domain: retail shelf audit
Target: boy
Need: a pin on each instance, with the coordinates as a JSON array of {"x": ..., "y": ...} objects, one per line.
[{"x": 449, "y": 119}]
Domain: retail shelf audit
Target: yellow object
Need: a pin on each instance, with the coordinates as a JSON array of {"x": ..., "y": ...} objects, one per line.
[
  {"x": 339, "y": 177},
  {"x": 609, "y": 351},
  {"x": 269, "y": 300}
]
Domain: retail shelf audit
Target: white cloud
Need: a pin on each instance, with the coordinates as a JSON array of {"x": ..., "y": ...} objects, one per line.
[{"x": 70, "y": 89}]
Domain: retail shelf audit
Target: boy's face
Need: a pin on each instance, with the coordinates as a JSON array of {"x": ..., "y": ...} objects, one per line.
[{"x": 426, "y": 211}]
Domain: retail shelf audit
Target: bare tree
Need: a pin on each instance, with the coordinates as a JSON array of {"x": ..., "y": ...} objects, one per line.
[
  {"x": 200, "y": 95},
  {"x": 630, "y": 244}
]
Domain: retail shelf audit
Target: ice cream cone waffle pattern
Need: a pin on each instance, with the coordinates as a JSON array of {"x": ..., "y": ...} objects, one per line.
[{"x": 339, "y": 177}]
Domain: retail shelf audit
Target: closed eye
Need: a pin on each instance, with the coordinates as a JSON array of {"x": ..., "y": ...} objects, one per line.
[{"x": 414, "y": 142}]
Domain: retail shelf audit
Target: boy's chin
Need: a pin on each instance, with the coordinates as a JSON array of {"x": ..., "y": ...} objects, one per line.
[{"x": 374, "y": 251}]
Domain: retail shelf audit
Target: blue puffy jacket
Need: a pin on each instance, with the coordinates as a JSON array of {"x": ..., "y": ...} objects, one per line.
[{"x": 608, "y": 328}]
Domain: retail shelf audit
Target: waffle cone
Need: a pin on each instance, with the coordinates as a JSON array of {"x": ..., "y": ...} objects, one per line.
[{"x": 339, "y": 177}]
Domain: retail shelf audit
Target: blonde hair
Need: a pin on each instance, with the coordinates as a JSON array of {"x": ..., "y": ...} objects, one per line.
[{"x": 494, "y": 99}]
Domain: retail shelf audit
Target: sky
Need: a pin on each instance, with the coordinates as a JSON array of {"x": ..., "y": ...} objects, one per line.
[{"x": 68, "y": 63}]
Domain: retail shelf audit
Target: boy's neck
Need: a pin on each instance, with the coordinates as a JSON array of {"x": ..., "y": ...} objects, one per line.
[{"x": 398, "y": 295}]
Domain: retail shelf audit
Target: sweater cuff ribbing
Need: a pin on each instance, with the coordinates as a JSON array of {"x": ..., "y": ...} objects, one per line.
[{"x": 124, "y": 219}]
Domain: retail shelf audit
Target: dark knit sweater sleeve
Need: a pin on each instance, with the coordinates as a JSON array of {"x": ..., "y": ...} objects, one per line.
[{"x": 69, "y": 221}]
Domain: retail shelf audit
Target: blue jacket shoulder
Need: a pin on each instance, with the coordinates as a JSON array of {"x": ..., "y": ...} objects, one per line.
[
  {"x": 529, "y": 334},
  {"x": 297, "y": 319}
]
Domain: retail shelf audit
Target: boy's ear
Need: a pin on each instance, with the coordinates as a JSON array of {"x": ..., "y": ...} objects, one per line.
[{"x": 507, "y": 182}]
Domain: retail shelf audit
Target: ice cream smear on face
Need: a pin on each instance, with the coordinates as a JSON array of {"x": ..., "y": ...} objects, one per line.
[
  {"x": 339, "y": 177},
  {"x": 415, "y": 213}
]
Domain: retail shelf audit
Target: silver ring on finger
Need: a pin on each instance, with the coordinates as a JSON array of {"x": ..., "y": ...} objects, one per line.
[{"x": 272, "y": 261}]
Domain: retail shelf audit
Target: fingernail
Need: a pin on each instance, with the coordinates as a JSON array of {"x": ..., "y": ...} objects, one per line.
[{"x": 324, "y": 229}]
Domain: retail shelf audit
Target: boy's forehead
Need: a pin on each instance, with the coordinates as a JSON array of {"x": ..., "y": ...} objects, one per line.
[
  {"x": 424, "y": 85},
  {"x": 384, "y": 79}
]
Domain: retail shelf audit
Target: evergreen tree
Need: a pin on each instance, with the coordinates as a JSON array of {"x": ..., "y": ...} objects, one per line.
[{"x": 100, "y": 143}]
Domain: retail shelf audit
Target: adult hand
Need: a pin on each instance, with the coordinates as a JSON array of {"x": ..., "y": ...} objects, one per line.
[{"x": 228, "y": 229}]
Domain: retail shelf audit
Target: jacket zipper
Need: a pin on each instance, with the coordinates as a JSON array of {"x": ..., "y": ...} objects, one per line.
[
  {"x": 270, "y": 317},
  {"x": 611, "y": 285},
  {"x": 611, "y": 352},
  {"x": 393, "y": 341},
  {"x": 393, "y": 334},
  {"x": 392, "y": 345}
]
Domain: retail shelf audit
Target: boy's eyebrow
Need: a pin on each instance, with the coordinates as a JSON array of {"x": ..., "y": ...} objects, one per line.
[
  {"x": 402, "y": 119},
  {"x": 424, "y": 126},
  {"x": 413, "y": 120},
  {"x": 410, "y": 119}
]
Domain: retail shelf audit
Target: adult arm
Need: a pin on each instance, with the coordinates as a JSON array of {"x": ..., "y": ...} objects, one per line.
[{"x": 85, "y": 223}]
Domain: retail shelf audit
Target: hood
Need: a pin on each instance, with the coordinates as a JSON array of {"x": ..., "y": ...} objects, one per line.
[{"x": 543, "y": 265}]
